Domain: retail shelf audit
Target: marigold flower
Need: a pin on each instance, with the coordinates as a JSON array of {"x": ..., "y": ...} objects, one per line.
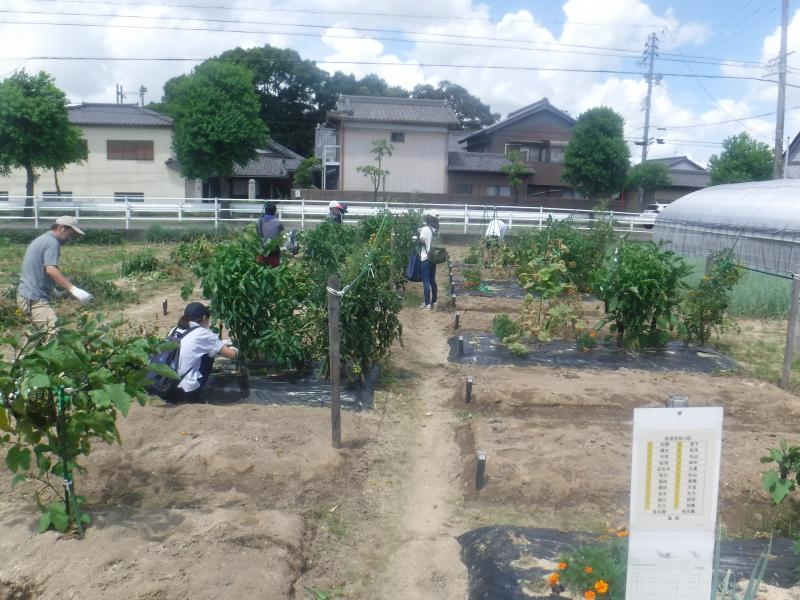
[
  {"x": 562, "y": 566},
  {"x": 592, "y": 334},
  {"x": 554, "y": 577},
  {"x": 601, "y": 587},
  {"x": 622, "y": 533},
  {"x": 588, "y": 595},
  {"x": 587, "y": 569}
]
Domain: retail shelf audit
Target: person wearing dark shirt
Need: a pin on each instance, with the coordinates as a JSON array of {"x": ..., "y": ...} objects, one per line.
[{"x": 270, "y": 229}]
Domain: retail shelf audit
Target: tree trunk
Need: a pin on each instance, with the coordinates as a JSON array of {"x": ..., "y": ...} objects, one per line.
[
  {"x": 31, "y": 177},
  {"x": 225, "y": 192},
  {"x": 55, "y": 176}
]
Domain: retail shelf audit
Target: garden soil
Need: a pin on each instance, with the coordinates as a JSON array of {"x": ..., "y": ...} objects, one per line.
[{"x": 251, "y": 501}]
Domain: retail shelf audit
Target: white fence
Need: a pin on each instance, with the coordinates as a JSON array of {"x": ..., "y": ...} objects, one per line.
[{"x": 463, "y": 218}]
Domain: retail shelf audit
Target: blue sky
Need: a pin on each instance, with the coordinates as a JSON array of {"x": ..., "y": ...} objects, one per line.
[{"x": 466, "y": 41}]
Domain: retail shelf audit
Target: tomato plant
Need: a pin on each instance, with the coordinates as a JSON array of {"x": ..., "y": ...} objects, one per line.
[
  {"x": 706, "y": 306},
  {"x": 59, "y": 394}
]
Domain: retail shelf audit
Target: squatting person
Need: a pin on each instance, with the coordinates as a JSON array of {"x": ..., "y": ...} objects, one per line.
[{"x": 40, "y": 274}]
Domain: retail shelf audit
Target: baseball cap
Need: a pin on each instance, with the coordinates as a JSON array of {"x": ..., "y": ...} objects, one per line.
[
  {"x": 196, "y": 311},
  {"x": 71, "y": 222}
]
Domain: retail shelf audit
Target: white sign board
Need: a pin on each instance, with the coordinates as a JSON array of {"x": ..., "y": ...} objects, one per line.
[{"x": 674, "y": 492}]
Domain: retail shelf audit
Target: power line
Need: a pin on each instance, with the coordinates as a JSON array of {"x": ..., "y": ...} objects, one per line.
[
  {"x": 714, "y": 100},
  {"x": 766, "y": 114},
  {"x": 626, "y": 53},
  {"x": 342, "y": 12},
  {"x": 412, "y": 64}
]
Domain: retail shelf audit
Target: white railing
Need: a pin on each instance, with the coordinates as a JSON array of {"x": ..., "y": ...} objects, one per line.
[{"x": 463, "y": 218}]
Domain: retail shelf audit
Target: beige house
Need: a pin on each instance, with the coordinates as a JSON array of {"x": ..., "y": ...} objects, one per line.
[
  {"x": 129, "y": 149},
  {"x": 417, "y": 130}
]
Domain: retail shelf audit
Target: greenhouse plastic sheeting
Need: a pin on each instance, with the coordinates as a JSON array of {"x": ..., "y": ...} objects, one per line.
[
  {"x": 503, "y": 561},
  {"x": 760, "y": 220}
]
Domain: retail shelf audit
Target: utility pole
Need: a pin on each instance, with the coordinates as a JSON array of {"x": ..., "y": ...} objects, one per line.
[
  {"x": 777, "y": 165},
  {"x": 651, "y": 50}
]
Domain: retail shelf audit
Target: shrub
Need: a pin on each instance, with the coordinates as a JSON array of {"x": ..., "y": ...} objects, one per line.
[
  {"x": 504, "y": 326},
  {"x": 99, "y": 237},
  {"x": 594, "y": 570},
  {"x": 640, "y": 286},
  {"x": 10, "y": 315},
  {"x": 706, "y": 306},
  {"x": 141, "y": 263},
  {"x": 193, "y": 253},
  {"x": 159, "y": 234},
  {"x": 22, "y": 236},
  {"x": 401, "y": 229}
]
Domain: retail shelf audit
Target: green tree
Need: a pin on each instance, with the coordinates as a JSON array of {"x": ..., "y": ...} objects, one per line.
[
  {"x": 471, "y": 112},
  {"x": 742, "y": 159},
  {"x": 35, "y": 131},
  {"x": 288, "y": 89},
  {"x": 376, "y": 173},
  {"x": 597, "y": 158},
  {"x": 649, "y": 176},
  {"x": 515, "y": 172},
  {"x": 217, "y": 122},
  {"x": 304, "y": 176}
]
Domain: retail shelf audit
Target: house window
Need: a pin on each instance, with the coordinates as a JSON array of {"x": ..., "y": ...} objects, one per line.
[
  {"x": 531, "y": 152},
  {"x": 57, "y": 196},
  {"x": 464, "y": 188},
  {"x": 128, "y": 197},
  {"x": 3, "y": 196},
  {"x": 398, "y": 137},
  {"x": 498, "y": 190},
  {"x": 129, "y": 149}
]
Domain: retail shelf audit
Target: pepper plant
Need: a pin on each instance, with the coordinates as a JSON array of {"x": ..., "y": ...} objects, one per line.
[
  {"x": 58, "y": 395},
  {"x": 781, "y": 481},
  {"x": 262, "y": 307},
  {"x": 641, "y": 287}
]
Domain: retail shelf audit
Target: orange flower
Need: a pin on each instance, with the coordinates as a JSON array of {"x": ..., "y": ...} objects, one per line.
[
  {"x": 601, "y": 587},
  {"x": 588, "y": 595},
  {"x": 562, "y": 566},
  {"x": 587, "y": 569},
  {"x": 592, "y": 334},
  {"x": 622, "y": 533},
  {"x": 554, "y": 577}
]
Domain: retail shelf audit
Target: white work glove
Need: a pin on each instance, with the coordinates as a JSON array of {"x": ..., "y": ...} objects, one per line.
[{"x": 82, "y": 295}]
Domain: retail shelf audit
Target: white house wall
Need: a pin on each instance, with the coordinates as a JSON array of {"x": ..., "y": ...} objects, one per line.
[
  {"x": 417, "y": 165},
  {"x": 99, "y": 176}
]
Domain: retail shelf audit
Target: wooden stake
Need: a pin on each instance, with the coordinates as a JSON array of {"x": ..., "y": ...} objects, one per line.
[
  {"x": 335, "y": 365},
  {"x": 790, "y": 333}
]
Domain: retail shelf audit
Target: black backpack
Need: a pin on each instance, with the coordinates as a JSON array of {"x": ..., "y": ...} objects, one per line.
[{"x": 165, "y": 363}]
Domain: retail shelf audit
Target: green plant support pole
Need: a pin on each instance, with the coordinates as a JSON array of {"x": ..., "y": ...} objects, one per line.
[{"x": 70, "y": 502}]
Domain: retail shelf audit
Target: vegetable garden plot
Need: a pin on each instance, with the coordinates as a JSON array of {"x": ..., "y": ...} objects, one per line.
[
  {"x": 289, "y": 388},
  {"x": 485, "y": 349},
  {"x": 492, "y": 288},
  {"x": 512, "y": 563}
]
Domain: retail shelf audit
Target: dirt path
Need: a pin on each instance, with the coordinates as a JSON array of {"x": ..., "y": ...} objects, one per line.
[{"x": 426, "y": 563}]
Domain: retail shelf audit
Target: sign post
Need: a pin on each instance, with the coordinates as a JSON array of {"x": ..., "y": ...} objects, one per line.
[{"x": 674, "y": 494}]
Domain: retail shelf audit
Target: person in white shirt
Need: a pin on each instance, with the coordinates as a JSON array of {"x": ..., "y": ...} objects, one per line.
[
  {"x": 495, "y": 232},
  {"x": 199, "y": 347},
  {"x": 429, "y": 288}
]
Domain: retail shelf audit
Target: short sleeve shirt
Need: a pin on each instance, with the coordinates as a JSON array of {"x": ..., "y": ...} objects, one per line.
[
  {"x": 195, "y": 345},
  {"x": 34, "y": 283}
]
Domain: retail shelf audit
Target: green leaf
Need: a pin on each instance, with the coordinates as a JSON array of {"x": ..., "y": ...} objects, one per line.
[
  {"x": 20, "y": 477},
  {"x": 40, "y": 380},
  {"x": 163, "y": 370},
  {"x": 119, "y": 397},
  {"x": 58, "y": 516},
  {"x": 100, "y": 398},
  {"x": 44, "y": 523},
  {"x": 4, "y": 424},
  {"x": 18, "y": 458}
]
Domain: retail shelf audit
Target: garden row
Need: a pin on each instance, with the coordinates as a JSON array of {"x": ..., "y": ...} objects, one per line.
[
  {"x": 60, "y": 393},
  {"x": 643, "y": 287}
]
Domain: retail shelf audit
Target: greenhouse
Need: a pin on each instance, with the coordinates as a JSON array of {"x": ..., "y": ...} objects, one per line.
[{"x": 760, "y": 220}]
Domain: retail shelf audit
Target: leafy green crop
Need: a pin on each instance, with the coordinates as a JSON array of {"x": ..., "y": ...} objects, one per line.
[
  {"x": 59, "y": 394},
  {"x": 141, "y": 263},
  {"x": 706, "y": 306}
]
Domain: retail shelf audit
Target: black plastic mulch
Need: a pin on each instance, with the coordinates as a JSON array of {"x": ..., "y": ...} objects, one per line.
[
  {"x": 294, "y": 388},
  {"x": 485, "y": 349},
  {"x": 495, "y": 558}
]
